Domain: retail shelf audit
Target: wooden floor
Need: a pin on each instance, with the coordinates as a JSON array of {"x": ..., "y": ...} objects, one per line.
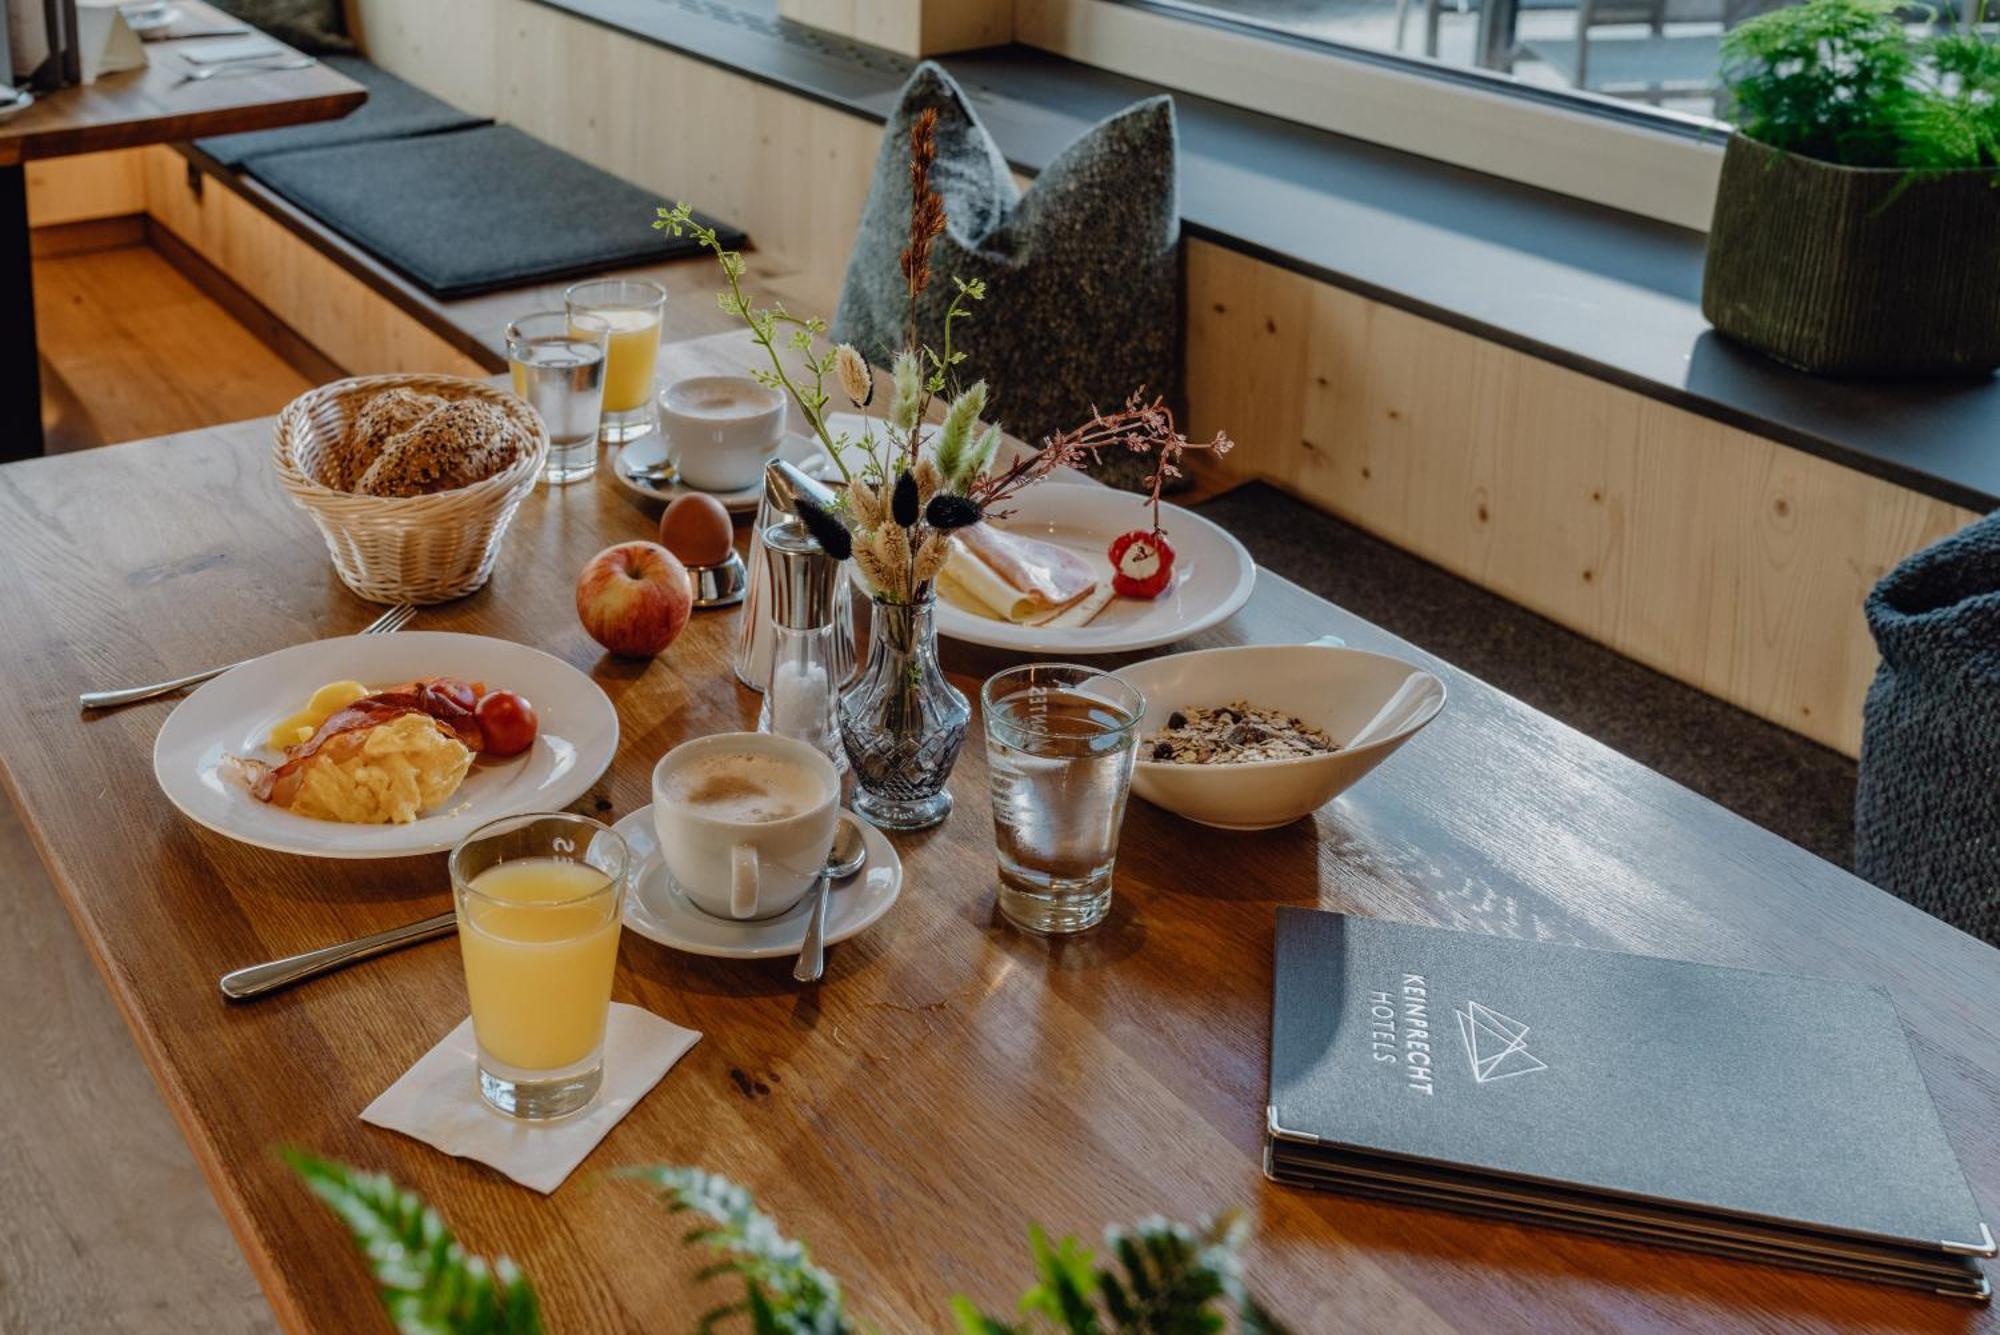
[
  {"x": 107, "y": 1223},
  {"x": 133, "y": 349}
]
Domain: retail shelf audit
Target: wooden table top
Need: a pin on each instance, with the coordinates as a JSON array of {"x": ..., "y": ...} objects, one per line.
[
  {"x": 157, "y": 104},
  {"x": 952, "y": 1080}
]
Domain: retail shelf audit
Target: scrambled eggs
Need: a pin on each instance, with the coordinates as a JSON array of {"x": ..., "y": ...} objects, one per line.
[{"x": 386, "y": 774}]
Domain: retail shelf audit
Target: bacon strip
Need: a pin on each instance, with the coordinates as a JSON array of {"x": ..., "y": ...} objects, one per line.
[{"x": 438, "y": 697}]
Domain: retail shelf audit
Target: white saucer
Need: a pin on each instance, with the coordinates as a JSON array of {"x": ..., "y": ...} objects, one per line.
[
  {"x": 20, "y": 104},
  {"x": 659, "y": 912},
  {"x": 650, "y": 451}
]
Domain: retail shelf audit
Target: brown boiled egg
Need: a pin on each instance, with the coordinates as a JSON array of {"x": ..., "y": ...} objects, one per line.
[{"x": 697, "y": 529}]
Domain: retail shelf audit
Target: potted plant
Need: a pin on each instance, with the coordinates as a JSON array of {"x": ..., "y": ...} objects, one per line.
[{"x": 1857, "y": 221}]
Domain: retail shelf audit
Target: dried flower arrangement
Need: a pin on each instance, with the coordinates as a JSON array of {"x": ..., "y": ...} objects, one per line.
[{"x": 911, "y": 486}]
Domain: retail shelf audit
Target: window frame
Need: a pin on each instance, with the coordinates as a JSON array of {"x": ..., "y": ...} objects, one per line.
[{"x": 1659, "y": 165}]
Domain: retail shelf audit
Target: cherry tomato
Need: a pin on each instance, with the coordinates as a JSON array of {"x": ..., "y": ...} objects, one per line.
[{"x": 508, "y": 722}]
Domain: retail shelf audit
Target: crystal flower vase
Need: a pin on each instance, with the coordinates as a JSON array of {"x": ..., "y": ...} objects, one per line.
[{"x": 901, "y": 722}]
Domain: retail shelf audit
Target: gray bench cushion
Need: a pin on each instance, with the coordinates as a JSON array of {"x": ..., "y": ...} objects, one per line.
[
  {"x": 394, "y": 110},
  {"x": 476, "y": 210}
]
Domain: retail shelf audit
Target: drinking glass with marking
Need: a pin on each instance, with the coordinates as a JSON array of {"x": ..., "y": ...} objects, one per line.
[
  {"x": 558, "y": 363},
  {"x": 540, "y": 899},
  {"x": 634, "y": 309},
  {"x": 1060, "y": 741}
]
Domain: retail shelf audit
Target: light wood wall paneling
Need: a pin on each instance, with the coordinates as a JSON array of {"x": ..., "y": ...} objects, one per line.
[
  {"x": 1719, "y": 557},
  {"x": 90, "y": 185},
  {"x": 349, "y": 323},
  {"x": 913, "y": 27},
  {"x": 791, "y": 172}
]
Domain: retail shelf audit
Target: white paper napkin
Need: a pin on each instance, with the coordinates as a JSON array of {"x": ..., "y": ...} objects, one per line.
[{"x": 437, "y": 1100}]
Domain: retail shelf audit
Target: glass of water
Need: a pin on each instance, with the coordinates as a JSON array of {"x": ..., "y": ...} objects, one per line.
[
  {"x": 558, "y": 364},
  {"x": 1060, "y": 741}
]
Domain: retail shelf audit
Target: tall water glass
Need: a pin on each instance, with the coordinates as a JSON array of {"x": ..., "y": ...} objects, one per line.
[
  {"x": 540, "y": 898},
  {"x": 558, "y": 365},
  {"x": 1060, "y": 741},
  {"x": 633, "y": 308}
]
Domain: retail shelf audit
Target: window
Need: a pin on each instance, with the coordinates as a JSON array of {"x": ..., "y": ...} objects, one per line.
[
  {"x": 1661, "y": 54},
  {"x": 1334, "y": 64}
]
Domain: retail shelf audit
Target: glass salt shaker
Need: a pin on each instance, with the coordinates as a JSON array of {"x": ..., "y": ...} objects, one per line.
[
  {"x": 802, "y": 690},
  {"x": 783, "y": 481}
]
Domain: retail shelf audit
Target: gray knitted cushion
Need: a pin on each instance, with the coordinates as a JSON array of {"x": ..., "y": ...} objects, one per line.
[
  {"x": 1927, "y": 813},
  {"x": 310, "y": 25},
  {"x": 1082, "y": 273}
]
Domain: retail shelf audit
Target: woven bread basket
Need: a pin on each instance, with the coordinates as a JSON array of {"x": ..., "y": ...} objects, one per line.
[{"x": 404, "y": 549}]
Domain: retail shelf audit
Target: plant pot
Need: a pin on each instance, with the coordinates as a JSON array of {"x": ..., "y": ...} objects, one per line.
[{"x": 1830, "y": 269}]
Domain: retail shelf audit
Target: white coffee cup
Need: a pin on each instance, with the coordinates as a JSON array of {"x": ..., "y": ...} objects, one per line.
[
  {"x": 721, "y": 429},
  {"x": 745, "y": 821}
]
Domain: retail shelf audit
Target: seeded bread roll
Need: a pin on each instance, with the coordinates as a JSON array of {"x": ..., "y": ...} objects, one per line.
[
  {"x": 463, "y": 442},
  {"x": 387, "y": 415}
]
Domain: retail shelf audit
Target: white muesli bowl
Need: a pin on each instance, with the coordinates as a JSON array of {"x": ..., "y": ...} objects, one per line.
[{"x": 1339, "y": 691}]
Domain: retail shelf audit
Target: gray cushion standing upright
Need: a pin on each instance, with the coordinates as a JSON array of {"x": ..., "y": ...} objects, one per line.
[
  {"x": 1082, "y": 271},
  {"x": 1927, "y": 810}
]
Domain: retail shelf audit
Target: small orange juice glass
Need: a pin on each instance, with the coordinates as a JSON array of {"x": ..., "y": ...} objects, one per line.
[{"x": 540, "y": 898}]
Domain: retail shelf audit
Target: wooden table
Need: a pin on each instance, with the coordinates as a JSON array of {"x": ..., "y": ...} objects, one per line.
[
  {"x": 153, "y": 105},
  {"x": 952, "y": 1080}
]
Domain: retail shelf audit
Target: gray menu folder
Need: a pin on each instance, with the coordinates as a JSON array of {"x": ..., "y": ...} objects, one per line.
[{"x": 1732, "y": 1111}]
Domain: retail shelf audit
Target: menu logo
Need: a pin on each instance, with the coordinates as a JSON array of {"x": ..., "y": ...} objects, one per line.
[{"x": 1495, "y": 1045}]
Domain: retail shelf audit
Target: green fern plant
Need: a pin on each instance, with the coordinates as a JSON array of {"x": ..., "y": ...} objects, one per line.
[
  {"x": 1162, "y": 1278},
  {"x": 784, "y": 1293},
  {"x": 1851, "y": 82},
  {"x": 1168, "y": 1279},
  {"x": 426, "y": 1280}
]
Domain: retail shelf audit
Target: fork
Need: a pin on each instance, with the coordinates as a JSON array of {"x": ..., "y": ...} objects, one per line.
[
  {"x": 394, "y": 619},
  {"x": 252, "y": 66}
]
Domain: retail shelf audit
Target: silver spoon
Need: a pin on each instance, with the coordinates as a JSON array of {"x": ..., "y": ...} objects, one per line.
[
  {"x": 203, "y": 73},
  {"x": 842, "y": 861},
  {"x": 259, "y": 979},
  {"x": 660, "y": 474}
]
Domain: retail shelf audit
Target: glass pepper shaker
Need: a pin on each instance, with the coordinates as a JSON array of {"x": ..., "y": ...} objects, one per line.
[{"x": 802, "y": 690}]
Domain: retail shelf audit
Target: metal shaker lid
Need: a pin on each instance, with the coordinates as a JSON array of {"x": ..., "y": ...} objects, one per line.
[
  {"x": 784, "y": 481},
  {"x": 803, "y": 577}
]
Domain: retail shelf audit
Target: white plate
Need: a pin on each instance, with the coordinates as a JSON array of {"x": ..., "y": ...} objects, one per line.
[
  {"x": 659, "y": 912},
  {"x": 146, "y": 18},
  {"x": 1213, "y": 575},
  {"x": 650, "y": 450},
  {"x": 233, "y": 714},
  {"x": 20, "y": 104}
]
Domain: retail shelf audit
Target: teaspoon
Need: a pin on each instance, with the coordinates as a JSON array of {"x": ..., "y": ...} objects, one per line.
[{"x": 849, "y": 851}]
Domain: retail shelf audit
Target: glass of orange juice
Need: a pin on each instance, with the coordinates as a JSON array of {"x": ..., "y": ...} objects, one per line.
[
  {"x": 633, "y": 307},
  {"x": 540, "y": 898}
]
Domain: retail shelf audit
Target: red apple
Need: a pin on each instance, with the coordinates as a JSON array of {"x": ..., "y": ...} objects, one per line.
[{"x": 634, "y": 598}]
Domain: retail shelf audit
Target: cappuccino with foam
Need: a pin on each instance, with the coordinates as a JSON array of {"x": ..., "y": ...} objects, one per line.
[
  {"x": 721, "y": 429},
  {"x": 745, "y": 821},
  {"x": 744, "y": 788}
]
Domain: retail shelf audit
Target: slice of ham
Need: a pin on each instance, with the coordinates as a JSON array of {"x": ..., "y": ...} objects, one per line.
[
  {"x": 441, "y": 698},
  {"x": 1044, "y": 578}
]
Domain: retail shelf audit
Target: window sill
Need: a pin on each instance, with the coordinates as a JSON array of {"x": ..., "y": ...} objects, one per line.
[{"x": 1604, "y": 293}]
